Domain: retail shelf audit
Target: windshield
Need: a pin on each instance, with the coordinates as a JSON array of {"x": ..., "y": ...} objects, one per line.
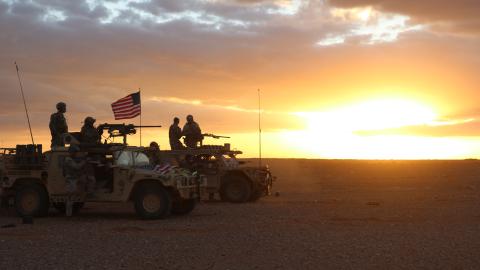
[
  {"x": 131, "y": 158},
  {"x": 123, "y": 158},
  {"x": 141, "y": 160}
]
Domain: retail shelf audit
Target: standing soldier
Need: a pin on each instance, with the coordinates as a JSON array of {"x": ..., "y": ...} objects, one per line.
[
  {"x": 74, "y": 171},
  {"x": 89, "y": 134},
  {"x": 192, "y": 132},
  {"x": 174, "y": 134},
  {"x": 58, "y": 125}
]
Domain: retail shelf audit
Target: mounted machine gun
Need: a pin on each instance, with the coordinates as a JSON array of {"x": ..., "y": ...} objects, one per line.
[
  {"x": 214, "y": 136},
  {"x": 121, "y": 130}
]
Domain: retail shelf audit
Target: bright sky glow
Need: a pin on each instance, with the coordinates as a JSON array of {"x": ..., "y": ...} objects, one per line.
[
  {"x": 371, "y": 115},
  {"x": 331, "y": 134}
]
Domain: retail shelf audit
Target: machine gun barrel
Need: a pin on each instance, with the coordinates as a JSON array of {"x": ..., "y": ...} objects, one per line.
[
  {"x": 214, "y": 136},
  {"x": 121, "y": 130}
]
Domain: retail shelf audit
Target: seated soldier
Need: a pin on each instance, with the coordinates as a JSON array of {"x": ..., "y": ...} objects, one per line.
[
  {"x": 89, "y": 134},
  {"x": 156, "y": 157}
]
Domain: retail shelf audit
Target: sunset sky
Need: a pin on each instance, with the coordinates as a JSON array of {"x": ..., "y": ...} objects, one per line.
[{"x": 338, "y": 78}]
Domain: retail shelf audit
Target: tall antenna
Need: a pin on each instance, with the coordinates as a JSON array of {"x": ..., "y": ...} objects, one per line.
[
  {"x": 24, "y": 103},
  {"x": 259, "y": 132}
]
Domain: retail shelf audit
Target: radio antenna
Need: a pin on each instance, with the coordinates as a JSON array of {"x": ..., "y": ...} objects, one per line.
[
  {"x": 259, "y": 132},
  {"x": 24, "y": 103}
]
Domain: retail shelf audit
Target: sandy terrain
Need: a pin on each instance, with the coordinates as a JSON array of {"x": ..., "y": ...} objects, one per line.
[{"x": 330, "y": 215}]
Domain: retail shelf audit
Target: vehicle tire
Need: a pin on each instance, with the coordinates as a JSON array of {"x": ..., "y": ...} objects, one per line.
[
  {"x": 75, "y": 209},
  {"x": 152, "y": 201},
  {"x": 183, "y": 207},
  {"x": 236, "y": 189},
  {"x": 31, "y": 200}
]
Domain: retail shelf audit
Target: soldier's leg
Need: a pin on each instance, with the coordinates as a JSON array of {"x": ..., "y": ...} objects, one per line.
[
  {"x": 69, "y": 206},
  {"x": 90, "y": 184},
  {"x": 71, "y": 188}
]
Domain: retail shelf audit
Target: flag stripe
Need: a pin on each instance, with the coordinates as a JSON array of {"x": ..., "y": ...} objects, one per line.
[
  {"x": 132, "y": 114},
  {"x": 128, "y": 113},
  {"x": 127, "y": 109},
  {"x": 126, "y": 101},
  {"x": 122, "y": 104},
  {"x": 136, "y": 107}
]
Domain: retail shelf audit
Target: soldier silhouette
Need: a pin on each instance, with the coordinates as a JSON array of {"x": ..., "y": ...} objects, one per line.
[{"x": 58, "y": 125}]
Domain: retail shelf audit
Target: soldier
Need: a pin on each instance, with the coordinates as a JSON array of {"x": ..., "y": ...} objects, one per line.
[
  {"x": 153, "y": 154},
  {"x": 58, "y": 125},
  {"x": 89, "y": 134},
  {"x": 156, "y": 157},
  {"x": 192, "y": 132},
  {"x": 74, "y": 171},
  {"x": 174, "y": 134}
]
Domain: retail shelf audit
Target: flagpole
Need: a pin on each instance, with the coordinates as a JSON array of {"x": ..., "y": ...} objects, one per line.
[{"x": 140, "y": 94}]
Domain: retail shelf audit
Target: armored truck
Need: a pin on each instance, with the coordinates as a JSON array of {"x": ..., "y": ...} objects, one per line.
[
  {"x": 35, "y": 181},
  {"x": 233, "y": 180}
]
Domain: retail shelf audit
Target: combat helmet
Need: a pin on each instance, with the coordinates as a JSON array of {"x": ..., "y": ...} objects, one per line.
[{"x": 89, "y": 120}]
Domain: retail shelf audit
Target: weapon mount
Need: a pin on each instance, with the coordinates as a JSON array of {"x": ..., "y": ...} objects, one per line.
[{"x": 121, "y": 130}]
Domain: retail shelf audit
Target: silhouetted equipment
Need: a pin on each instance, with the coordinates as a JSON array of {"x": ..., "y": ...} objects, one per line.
[
  {"x": 121, "y": 130},
  {"x": 214, "y": 136},
  {"x": 29, "y": 154}
]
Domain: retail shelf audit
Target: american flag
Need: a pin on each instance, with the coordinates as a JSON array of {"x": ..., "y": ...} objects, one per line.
[
  {"x": 127, "y": 107},
  {"x": 163, "y": 169}
]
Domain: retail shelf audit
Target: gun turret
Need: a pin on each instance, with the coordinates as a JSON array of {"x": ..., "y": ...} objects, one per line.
[
  {"x": 121, "y": 130},
  {"x": 214, "y": 136}
]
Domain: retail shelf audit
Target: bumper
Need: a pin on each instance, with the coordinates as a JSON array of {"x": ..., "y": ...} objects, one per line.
[{"x": 192, "y": 188}]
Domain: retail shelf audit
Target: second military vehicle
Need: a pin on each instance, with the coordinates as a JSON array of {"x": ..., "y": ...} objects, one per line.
[{"x": 233, "y": 180}]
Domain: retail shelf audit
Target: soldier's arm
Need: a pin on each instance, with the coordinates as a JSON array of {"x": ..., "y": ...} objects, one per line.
[
  {"x": 185, "y": 130},
  {"x": 178, "y": 133},
  {"x": 64, "y": 123},
  {"x": 51, "y": 125}
]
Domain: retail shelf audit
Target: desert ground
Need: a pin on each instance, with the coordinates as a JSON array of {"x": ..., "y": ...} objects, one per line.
[{"x": 330, "y": 214}]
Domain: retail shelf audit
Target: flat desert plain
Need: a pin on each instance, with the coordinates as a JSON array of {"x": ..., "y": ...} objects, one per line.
[{"x": 330, "y": 214}]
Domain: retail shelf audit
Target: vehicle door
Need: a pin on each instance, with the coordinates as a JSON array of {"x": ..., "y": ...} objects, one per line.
[
  {"x": 56, "y": 183},
  {"x": 123, "y": 171}
]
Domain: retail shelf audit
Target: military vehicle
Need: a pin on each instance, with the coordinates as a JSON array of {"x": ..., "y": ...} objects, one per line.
[
  {"x": 35, "y": 181},
  {"x": 233, "y": 180}
]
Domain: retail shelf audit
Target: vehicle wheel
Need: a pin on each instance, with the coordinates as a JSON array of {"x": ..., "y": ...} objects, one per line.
[
  {"x": 236, "y": 189},
  {"x": 152, "y": 201},
  {"x": 183, "y": 207},
  {"x": 31, "y": 200},
  {"x": 75, "y": 209}
]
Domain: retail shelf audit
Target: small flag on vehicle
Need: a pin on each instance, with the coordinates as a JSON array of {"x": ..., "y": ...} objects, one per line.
[
  {"x": 163, "y": 169},
  {"x": 127, "y": 107}
]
